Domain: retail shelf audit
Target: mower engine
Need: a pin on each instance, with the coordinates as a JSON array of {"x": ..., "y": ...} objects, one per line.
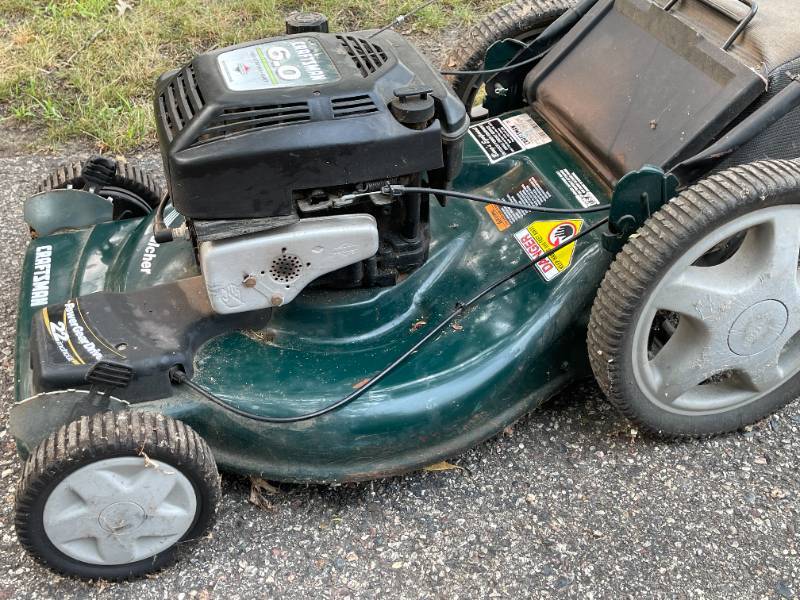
[{"x": 275, "y": 152}]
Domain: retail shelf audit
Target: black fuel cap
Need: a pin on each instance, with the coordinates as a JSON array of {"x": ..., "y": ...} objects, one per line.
[
  {"x": 303, "y": 22},
  {"x": 413, "y": 106}
]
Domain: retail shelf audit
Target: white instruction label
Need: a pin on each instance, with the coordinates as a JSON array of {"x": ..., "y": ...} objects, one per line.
[
  {"x": 582, "y": 193},
  {"x": 501, "y": 138}
]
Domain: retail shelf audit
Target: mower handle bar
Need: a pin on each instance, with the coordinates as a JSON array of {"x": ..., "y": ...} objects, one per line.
[{"x": 752, "y": 4}]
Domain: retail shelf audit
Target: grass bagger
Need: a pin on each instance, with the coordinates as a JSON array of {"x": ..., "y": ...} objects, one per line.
[{"x": 362, "y": 264}]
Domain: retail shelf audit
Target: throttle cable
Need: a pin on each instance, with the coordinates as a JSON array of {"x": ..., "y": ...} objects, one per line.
[
  {"x": 179, "y": 377},
  {"x": 399, "y": 190},
  {"x": 507, "y": 67}
]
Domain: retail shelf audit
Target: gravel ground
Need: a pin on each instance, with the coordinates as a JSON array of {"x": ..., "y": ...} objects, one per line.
[{"x": 570, "y": 502}]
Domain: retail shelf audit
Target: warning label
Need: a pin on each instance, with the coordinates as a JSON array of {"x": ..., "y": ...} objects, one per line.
[
  {"x": 542, "y": 236},
  {"x": 501, "y": 138},
  {"x": 532, "y": 193},
  {"x": 582, "y": 193}
]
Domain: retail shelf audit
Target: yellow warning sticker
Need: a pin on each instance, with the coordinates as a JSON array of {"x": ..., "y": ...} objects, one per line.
[{"x": 542, "y": 236}]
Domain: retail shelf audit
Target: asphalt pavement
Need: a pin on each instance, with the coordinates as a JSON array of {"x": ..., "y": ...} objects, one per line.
[{"x": 570, "y": 502}]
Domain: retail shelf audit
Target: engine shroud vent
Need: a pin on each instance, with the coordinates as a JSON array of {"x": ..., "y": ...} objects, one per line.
[
  {"x": 236, "y": 121},
  {"x": 353, "y": 106},
  {"x": 368, "y": 57},
  {"x": 180, "y": 101}
]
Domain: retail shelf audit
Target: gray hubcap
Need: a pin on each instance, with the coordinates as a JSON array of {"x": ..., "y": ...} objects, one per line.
[
  {"x": 735, "y": 338},
  {"x": 119, "y": 510}
]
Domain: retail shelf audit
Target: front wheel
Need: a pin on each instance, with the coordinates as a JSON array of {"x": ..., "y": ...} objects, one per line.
[
  {"x": 112, "y": 496},
  {"x": 696, "y": 327}
]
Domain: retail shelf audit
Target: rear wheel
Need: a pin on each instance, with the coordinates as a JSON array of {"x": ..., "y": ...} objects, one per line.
[
  {"x": 112, "y": 496},
  {"x": 134, "y": 192},
  {"x": 696, "y": 327},
  {"x": 520, "y": 20}
]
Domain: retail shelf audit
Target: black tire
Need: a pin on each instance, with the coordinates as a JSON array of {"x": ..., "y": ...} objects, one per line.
[
  {"x": 109, "y": 435},
  {"x": 640, "y": 266},
  {"x": 129, "y": 180},
  {"x": 521, "y": 20}
]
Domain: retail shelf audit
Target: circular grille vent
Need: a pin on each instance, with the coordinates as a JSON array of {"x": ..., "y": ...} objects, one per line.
[{"x": 285, "y": 268}]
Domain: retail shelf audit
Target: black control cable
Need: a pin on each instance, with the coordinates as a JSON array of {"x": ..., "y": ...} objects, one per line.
[
  {"x": 546, "y": 38},
  {"x": 401, "y": 18},
  {"x": 161, "y": 232},
  {"x": 507, "y": 67},
  {"x": 179, "y": 377},
  {"x": 399, "y": 190}
]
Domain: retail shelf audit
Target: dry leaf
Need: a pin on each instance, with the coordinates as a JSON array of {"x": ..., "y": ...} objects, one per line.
[
  {"x": 123, "y": 7},
  {"x": 259, "y": 487},
  {"x": 149, "y": 464},
  {"x": 443, "y": 466},
  {"x": 418, "y": 325},
  {"x": 265, "y": 486},
  {"x": 21, "y": 38}
]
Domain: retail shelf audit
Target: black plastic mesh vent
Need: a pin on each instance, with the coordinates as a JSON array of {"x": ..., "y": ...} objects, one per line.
[
  {"x": 179, "y": 102},
  {"x": 235, "y": 121},
  {"x": 368, "y": 57},
  {"x": 352, "y": 106}
]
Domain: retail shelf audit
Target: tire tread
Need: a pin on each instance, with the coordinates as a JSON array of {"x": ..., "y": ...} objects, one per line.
[
  {"x": 129, "y": 177},
  {"x": 508, "y": 21},
  {"x": 105, "y": 435},
  {"x": 646, "y": 255}
]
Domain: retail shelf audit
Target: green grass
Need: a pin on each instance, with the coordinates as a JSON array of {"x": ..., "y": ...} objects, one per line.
[{"x": 80, "y": 69}]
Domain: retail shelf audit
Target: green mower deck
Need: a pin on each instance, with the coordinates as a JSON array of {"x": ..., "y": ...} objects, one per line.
[{"x": 504, "y": 358}]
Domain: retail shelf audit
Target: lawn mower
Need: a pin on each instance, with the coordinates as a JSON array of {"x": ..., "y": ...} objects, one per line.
[{"x": 362, "y": 264}]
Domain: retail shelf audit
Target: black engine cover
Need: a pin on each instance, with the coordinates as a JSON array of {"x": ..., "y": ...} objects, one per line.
[{"x": 244, "y": 128}]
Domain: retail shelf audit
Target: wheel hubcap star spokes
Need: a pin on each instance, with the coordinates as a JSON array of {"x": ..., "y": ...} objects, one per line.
[
  {"x": 736, "y": 318},
  {"x": 119, "y": 510}
]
